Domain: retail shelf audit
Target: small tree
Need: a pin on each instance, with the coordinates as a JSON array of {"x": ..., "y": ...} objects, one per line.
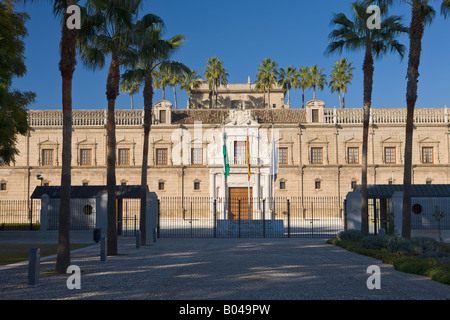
[{"x": 438, "y": 215}]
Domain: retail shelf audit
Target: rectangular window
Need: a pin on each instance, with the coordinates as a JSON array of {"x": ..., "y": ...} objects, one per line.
[
  {"x": 161, "y": 157},
  {"x": 317, "y": 184},
  {"x": 282, "y": 185},
  {"x": 316, "y": 155},
  {"x": 315, "y": 115},
  {"x": 196, "y": 185},
  {"x": 85, "y": 157},
  {"x": 197, "y": 156},
  {"x": 162, "y": 116},
  {"x": 427, "y": 155},
  {"x": 389, "y": 155},
  {"x": 124, "y": 157},
  {"x": 47, "y": 157},
  {"x": 3, "y": 186},
  {"x": 239, "y": 152},
  {"x": 160, "y": 185},
  {"x": 353, "y": 155},
  {"x": 283, "y": 155}
]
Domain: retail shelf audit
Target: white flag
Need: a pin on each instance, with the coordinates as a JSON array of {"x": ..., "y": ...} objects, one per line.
[{"x": 274, "y": 158}]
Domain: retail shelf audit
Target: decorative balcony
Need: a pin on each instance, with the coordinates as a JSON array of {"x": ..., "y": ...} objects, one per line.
[
  {"x": 54, "y": 118},
  {"x": 386, "y": 116}
]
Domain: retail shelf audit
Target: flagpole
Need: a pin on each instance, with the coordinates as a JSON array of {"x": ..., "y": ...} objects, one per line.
[
  {"x": 273, "y": 175},
  {"x": 225, "y": 201},
  {"x": 248, "y": 168}
]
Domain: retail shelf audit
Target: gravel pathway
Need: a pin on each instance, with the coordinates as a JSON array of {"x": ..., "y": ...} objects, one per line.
[{"x": 221, "y": 269}]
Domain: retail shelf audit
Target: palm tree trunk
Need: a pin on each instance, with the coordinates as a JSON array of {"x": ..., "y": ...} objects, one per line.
[
  {"x": 314, "y": 95},
  {"x": 112, "y": 91},
  {"x": 148, "y": 101},
  {"x": 164, "y": 93},
  {"x": 343, "y": 99},
  {"x": 415, "y": 35},
  {"x": 175, "y": 96},
  {"x": 268, "y": 97},
  {"x": 67, "y": 68},
  {"x": 368, "y": 83},
  {"x": 303, "y": 97},
  {"x": 131, "y": 97},
  {"x": 340, "y": 101}
]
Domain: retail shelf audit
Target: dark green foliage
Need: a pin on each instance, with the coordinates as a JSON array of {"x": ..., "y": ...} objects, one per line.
[
  {"x": 352, "y": 235},
  {"x": 421, "y": 255},
  {"x": 374, "y": 242},
  {"x": 13, "y": 103}
]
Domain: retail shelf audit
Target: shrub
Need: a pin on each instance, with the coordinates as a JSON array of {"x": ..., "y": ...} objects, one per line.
[
  {"x": 374, "y": 242},
  {"x": 415, "y": 265},
  {"x": 400, "y": 246},
  {"x": 351, "y": 235},
  {"x": 440, "y": 256},
  {"x": 424, "y": 244}
]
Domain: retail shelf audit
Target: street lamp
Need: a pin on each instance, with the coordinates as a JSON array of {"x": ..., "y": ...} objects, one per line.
[{"x": 39, "y": 177}]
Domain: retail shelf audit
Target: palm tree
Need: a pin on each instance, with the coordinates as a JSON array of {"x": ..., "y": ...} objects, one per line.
[
  {"x": 150, "y": 52},
  {"x": 215, "y": 75},
  {"x": 67, "y": 65},
  {"x": 176, "y": 77},
  {"x": 111, "y": 35},
  {"x": 131, "y": 88},
  {"x": 341, "y": 76},
  {"x": 302, "y": 80},
  {"x": 286, "y": 80},
  {"x": 190, "y": 81},
  {"x": 354, "y": 35},
  {"x": 317, "y": 78},
  {"x": 267, "y": 76},
  {"x": 421, "y": 15},
  {"x": 160, "y": 80}
]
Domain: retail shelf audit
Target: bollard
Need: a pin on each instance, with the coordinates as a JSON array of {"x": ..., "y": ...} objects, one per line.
[
  {"x": 138, "y": 239},
  {"x": 102, "y": 249},
  {"x": 34, "y": 266}
]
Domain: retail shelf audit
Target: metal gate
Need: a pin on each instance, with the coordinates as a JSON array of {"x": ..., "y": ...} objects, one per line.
[{"x": 281, "y": 217}]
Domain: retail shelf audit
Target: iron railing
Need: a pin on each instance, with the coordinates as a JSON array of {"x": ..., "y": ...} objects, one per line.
[
  {"x": 260, "y": 217},
  {"x": 19, "y": 215}
]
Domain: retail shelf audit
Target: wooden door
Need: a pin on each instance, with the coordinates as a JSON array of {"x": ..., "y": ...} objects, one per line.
[{"x": 234, "y": 210}]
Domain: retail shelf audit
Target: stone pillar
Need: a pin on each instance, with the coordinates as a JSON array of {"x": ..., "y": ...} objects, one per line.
[
  {"x": 151, "y": 218},
  {"x": 44, "y": 212},
  {"x": 353, "y": 210},
  {"x": 101, "y": 212}
]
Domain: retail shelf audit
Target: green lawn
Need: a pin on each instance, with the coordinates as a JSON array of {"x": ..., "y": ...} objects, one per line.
[{"x": 13, "y": 253}]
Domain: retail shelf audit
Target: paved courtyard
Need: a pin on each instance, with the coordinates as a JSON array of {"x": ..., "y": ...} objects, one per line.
[{"x": 221, "y": 269}]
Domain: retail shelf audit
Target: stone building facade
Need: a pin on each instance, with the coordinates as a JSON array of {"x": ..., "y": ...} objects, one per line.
[{"x": 319, "y": 150}]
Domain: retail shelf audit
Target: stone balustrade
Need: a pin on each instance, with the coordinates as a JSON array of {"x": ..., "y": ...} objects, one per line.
[{"x": 54, "y": 118}]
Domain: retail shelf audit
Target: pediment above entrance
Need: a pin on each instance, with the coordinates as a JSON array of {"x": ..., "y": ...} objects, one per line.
[{"x": 241, "y": 118}]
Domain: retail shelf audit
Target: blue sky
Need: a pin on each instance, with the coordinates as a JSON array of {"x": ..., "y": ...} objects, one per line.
[{"x": 242, "y": 33}]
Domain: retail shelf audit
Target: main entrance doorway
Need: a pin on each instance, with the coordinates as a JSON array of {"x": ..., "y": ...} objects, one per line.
[{"x": 239, "y": 204}]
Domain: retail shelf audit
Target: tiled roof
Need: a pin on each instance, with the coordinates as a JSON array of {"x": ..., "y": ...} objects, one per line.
[
  {"x": 215, "y": 116},
  {"x": 417, "y": 190},
  {"x": 127, "y": 191}
]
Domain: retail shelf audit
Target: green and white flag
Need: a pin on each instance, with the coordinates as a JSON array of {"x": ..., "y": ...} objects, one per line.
[{"x": 226, "y": 165}]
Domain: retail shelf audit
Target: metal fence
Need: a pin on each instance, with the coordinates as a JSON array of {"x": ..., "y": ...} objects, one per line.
[
  {"x": 260, "y": 217},
  {"x": 430, "y": 213},
  {"x": 19, "y": 215}
]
